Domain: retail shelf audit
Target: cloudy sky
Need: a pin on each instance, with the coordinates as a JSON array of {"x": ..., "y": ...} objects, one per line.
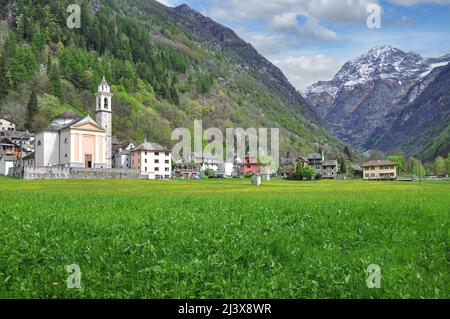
[{"x": 311, "y": 39}]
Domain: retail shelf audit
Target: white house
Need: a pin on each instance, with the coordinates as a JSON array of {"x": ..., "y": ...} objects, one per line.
[
  {"x": 6, "y": 163},
  {"x": 152, "y": 160},
  {"x": 206, "y": 160},
  {"x": 6, "y": 125},
  {"x": 122, "y": 156},
  {"x": 73, "y": 142}
]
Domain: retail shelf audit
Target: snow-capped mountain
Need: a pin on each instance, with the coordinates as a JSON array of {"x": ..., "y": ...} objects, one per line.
[{"x": 367, "y": 89}]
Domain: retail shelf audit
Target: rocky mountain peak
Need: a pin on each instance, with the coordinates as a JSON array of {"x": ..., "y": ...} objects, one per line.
[
  {"x": 368, "y": 89},
  {"x": 382, "y": 62}
]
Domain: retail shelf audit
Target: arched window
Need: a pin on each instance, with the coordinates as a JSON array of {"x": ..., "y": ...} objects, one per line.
[
  {"x": 106, "y": 103},
  {"x": 99, "y": 103},
  {"x": 39, "y": 143}
]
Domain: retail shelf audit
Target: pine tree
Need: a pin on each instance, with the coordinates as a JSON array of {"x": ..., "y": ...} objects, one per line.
[
  {"x": 55, "y": 80},
  {"x": 32, "y": 110},
  {"x": 4, "y": 86},
  {"x": 348, "y": 152},
  {"x": 342, "y": 166}
]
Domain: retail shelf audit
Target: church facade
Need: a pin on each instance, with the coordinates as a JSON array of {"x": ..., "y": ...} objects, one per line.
[{"x": 70, "y": 141}]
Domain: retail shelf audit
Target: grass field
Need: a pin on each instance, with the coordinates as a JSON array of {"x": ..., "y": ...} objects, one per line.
[{"x": 224, "y": 239}]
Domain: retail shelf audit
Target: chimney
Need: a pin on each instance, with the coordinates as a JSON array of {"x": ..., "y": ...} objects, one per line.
[{"x": 323, "y": 156}]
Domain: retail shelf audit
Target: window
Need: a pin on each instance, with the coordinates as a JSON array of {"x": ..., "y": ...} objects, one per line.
[
  {"x": 156, "y": 153},
  {"x": 106, "y": 103},
  {"x": 157, "y": 169},
  {"x": 145, "y": 153},
  {"x": 66, "y": 140},
  {"x": 39, "y": 143},
  {"x": 167, "y": 161},
  {"x": 156, "y": 161},
  {"x": 65, "y": 155},
  {"x": 167, "y": 169},
  {"x": 145, "y": 169},
  {"x": 167, "y": 154},
  {"x": 145, "y": 160}
]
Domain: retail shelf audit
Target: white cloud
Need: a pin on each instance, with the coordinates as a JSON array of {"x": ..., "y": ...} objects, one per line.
[
  {"x": 331, "y": 10},
  {"x": 267, "y": 44},
  {"x": 340, "y": 10},
  {"x": 168, "y": 3},
  {"x": 409, "y": 3},
  {"x": 305, "y": 70},
  {"x": 287, "y": 23}
]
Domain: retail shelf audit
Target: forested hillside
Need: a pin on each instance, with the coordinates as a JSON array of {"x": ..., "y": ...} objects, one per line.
[{"x": 163, "y": 72}]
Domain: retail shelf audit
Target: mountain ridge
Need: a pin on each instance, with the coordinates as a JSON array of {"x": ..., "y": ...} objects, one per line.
[
  {"x": 167, "y": 66},
  {"x": 369, "y": 92}
]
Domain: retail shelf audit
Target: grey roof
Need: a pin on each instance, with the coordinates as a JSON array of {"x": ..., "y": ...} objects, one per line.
[
  {"x": 356, "y": 167},
  {"x": 287, "y": 161},
  {"x": 104, "y": 81},
  {"x": 8, "y": 158},
  {"x": 330, "y": 163},
  {"x": 314, "y": 156},
  {"x": 67, "y": 115},
  {"x": 5, "y": 119},
  {"x": 147, "y": 146},
  {"x": 59, "y": 127},
  {"x": 17, "y": 135},
  {"x": 30, "y": 156},
  {"x": 125, "y": 152}
]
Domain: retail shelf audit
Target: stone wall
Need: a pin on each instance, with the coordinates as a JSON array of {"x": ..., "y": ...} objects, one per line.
[{"x": 75, "y": 173}]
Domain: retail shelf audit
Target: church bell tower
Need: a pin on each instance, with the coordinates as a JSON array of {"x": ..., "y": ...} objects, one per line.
[{"x": 103, "y": 112}]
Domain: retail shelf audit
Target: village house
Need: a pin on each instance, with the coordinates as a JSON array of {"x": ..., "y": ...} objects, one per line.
[
  {"x": 252, "y": 166},
  {"x": 6, "y": 163},
  {"x": 379, "y": 170},
  {"x": 206, "y": 160},
  {"x": 78, "y": 143},
  {"x": 6, "y": 125},
  {"x": 26, "y": 139},
  {"x": 152, "y": 160},
  {"x": 122, "y": 155},
  {"x": 328, "y": 169},
  {"x": 10, "y": 152},
  {"x": 289, "y": 165}
]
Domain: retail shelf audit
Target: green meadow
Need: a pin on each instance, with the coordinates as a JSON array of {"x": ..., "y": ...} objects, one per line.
[{"x": 224, "y": 239}]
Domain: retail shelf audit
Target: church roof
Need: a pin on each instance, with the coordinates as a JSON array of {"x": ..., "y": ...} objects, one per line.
[
  {"x": 67, "y": 115},
  {"x": 60, "y": 127},
  {"x": 104, "y": 81}
]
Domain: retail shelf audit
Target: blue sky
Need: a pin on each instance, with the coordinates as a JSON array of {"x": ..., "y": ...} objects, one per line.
[{"x": 311, "y": 39}]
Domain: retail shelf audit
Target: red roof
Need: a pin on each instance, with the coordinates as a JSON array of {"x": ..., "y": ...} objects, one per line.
[{"x": 378, "y": 163}]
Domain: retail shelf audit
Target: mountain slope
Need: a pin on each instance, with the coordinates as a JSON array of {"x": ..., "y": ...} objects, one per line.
[
  {"x": 167, "y": 66},
  {"x": 370, "y": 91},
  {"x": 423, "y": 126}
]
